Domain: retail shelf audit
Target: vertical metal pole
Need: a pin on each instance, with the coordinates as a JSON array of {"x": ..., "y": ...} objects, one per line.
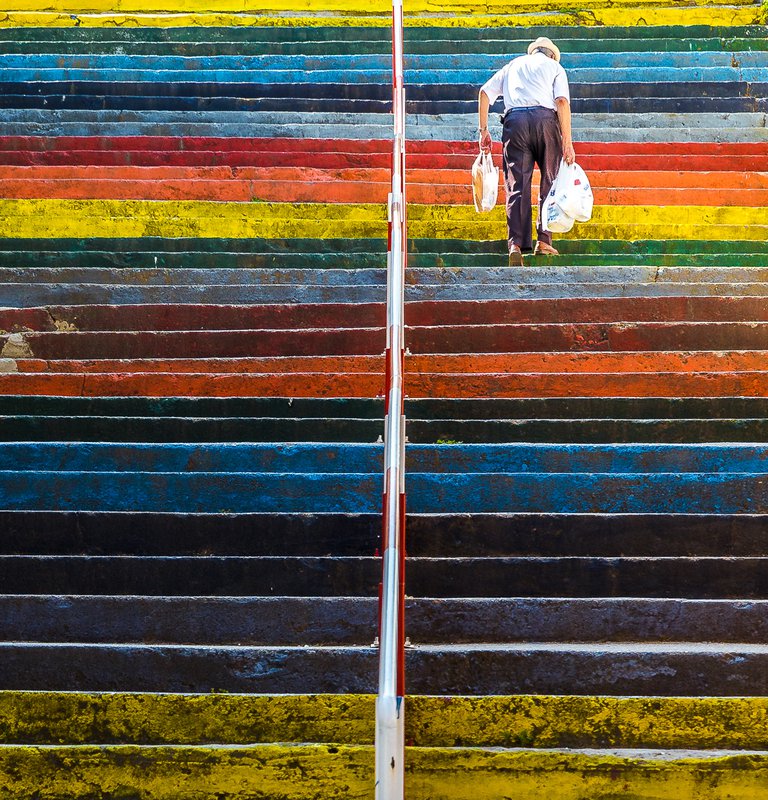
[{"x": 390, "y": 705}]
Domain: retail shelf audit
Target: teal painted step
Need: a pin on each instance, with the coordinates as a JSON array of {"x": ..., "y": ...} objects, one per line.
[{"x": 357, "y": 253}]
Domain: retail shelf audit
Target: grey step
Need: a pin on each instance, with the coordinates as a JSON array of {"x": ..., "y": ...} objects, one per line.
[
  {"x": 573, "y": 576},
  {"x": 683, "y": 669},
  {"x": 353, "y": 621}
]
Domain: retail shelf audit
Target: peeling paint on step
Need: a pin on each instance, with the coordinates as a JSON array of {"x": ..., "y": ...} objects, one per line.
[
  {"x": 8, "y": 365},
  {"x": 16, "y": 346}
]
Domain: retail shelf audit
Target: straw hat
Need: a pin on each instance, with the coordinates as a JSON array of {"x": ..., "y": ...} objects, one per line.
[{"x": 542, "y": 41}]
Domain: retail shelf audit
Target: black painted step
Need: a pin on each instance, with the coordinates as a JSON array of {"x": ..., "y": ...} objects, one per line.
[{"x": 435, "y": 535}]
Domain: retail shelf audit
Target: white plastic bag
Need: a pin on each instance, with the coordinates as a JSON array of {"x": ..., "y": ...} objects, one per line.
[
  {"x": 485, "y": 182},
  {"x": 553, "y": 218},
  {"x": 573, "y": 194}
]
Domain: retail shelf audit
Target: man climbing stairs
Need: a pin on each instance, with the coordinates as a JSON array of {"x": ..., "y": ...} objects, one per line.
[{"x": 193, "y": 275}]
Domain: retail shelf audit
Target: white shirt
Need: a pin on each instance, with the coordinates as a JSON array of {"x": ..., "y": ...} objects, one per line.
[{"x": 534, "y": 80}]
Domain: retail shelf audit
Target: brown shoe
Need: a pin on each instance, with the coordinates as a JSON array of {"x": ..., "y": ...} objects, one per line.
[
  {"x": 544, "y": 249},
  {"x": 515, "y": 256}
]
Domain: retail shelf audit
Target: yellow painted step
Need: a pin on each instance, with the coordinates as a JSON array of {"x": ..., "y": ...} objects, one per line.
[
  {"x": 511, "y": 721},
  {"x": 358, "y": 7},
  {"x": 208, "y": 15},
  {"x": 301, "y": 772},
  {"x": 128, "y": 218}
]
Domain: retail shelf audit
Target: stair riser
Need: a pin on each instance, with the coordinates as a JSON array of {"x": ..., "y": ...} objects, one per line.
[
  {"x": 443, "y": 409},
  {"x": 427, "y": 493},
  {"x": 185, "y": 247},
  {"x": 327, "y": 577},
  {"x": 346, "y": 621},
  {"x": 206, "y": 317},
  {"x": 342, "y": 105},
  {"x": 205, "y": 344},
  {"x": 156, "y": 668},
  {"x": 102, "y": 533},
  {"x": 322, "y": 458},
  {"x": 513, "y": 721}
]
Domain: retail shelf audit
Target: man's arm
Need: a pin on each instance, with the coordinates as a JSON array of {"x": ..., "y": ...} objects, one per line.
[
  {"x": 483, "y": 104},
  {"x": 564, "y": 115}
]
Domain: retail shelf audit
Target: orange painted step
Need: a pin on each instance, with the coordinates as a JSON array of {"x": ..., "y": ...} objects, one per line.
[
  {"x": 448, "y": 187},
  {"x": 600, "y": 178},
  {"x": 305, "y": 384},
  {"x": 694, "y": 361},
  {"x": 246, "y": 366},
  {"x": 424, "y": 385},
  {"x": 663, "y": 384}
]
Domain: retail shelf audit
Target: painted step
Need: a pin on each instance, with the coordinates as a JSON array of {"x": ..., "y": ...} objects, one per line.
[
  {"x": 426, "y": 409},
  {"x": 616, "y": 669},
  {"x": 354, "y": 63},
  {"x": 290, "y": 185},
  {"x": 298, "y": 621},
  {"x": 664, "y": 127},
  {"x": 204, "y": 428},
  {"x": 703, "y": 578},
  {"x": 322, "y": 458},
  {"x": 152, "y": 152},
  {"x": 202, "y": 344},
  {"x": 275, "y": 35},
  {"x": 630, "y": 336},
  {"x": 634, "y": 364},
  {"x": 244, "y": 317},
  {"x": 216, "y": 249},
  {"x": 369, "y": 385},
  {"x": 423, "y": 340},
  {"x": 229, "y": 41},
  {"x": 545, "y": 535},
  {"x": 503, "y": 721},
  {"x": 186, "y": 771},
  {"x": 353, "y": 621},
  {"x": 84, "y": 95},
  {"x": 207, "y": 317},
  {"x": 25, "y": 295},
  {"x": 171, "y": 218}
]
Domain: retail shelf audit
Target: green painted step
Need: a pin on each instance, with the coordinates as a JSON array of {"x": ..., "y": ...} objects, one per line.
[
  {"x": 305, "y": 246},
  {"x": 77, "y": 45},
  {"x": 383, "y": 34},
  {"x": 541, "y": 721},
  {"x": 363, "y": 253}
]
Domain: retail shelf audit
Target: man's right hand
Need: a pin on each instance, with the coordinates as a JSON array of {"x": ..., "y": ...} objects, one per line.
[
  {"x": 486, "y": 141},
  {"x": 569, "y": 154}
]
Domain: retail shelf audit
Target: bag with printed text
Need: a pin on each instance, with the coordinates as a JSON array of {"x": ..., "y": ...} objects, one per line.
[{"x": 569, "y": 200}]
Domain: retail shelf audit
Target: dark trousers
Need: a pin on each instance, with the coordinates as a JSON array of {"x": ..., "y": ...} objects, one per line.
[{"x": 530, "y": 136}]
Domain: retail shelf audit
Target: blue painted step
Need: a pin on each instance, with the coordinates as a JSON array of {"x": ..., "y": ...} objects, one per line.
[
  {"x": 278, "y": 457},
  {"x": 719, "y": 493}
]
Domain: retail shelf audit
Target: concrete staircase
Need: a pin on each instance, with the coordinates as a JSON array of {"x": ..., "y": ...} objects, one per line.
[{"x": 192, "y": 284}]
